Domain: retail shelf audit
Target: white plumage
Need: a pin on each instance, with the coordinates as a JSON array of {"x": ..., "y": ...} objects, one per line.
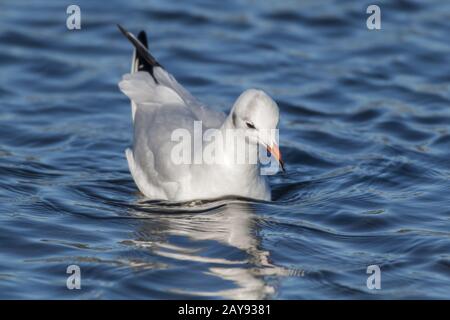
[{"x": 161, "y": 105}]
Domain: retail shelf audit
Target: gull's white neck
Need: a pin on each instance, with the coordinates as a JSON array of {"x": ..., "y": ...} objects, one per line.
[{"x": 228, "y": 150}]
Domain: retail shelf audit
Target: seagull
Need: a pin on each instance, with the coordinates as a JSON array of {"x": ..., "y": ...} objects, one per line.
[{"x": 160, "y": 106}]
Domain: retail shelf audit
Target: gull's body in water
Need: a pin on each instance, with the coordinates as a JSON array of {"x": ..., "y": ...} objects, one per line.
[{"x": 160, "y": 105}]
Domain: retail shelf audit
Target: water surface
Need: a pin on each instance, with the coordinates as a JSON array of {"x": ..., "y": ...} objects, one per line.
[{"x": 365, "y": 134}]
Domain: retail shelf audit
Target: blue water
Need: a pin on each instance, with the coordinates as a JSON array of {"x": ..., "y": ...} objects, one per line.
[{"x": 364, "y": 131}]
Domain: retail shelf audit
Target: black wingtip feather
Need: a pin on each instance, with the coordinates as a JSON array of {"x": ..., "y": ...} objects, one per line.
[
  {"x": 146, "y": 62},
  {"x": 142, "y": 64},
  {"x": 142, "y": 37}
]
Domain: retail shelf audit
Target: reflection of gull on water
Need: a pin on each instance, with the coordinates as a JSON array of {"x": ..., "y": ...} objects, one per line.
[{"x": 232, "y": 224}]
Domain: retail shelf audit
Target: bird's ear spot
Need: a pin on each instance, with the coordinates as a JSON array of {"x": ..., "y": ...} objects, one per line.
[{"x": 233, "y": 117}]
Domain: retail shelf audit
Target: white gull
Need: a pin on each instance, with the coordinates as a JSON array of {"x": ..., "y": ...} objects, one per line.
[{"x": 160, "y": 105}]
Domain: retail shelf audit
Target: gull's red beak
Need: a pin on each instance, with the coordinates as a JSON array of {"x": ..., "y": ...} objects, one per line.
[{"x": 275, "y": 151}]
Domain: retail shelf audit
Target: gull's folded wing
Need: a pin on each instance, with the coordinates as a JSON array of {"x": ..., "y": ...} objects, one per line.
[{"x": 150, "y": 83}]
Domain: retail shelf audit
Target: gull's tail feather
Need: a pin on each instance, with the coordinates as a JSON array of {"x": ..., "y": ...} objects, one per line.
[{"x": 142, "y": 58}]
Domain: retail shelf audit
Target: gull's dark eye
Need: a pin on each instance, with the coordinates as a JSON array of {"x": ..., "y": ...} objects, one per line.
[{"x": 250, "y": 125}]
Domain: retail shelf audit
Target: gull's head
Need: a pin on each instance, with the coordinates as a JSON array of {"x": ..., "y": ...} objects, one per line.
[{"x": 256, "y": 113}]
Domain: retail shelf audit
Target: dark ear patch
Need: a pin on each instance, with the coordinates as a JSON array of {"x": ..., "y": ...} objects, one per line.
[{"x": 233, "y": 117}]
